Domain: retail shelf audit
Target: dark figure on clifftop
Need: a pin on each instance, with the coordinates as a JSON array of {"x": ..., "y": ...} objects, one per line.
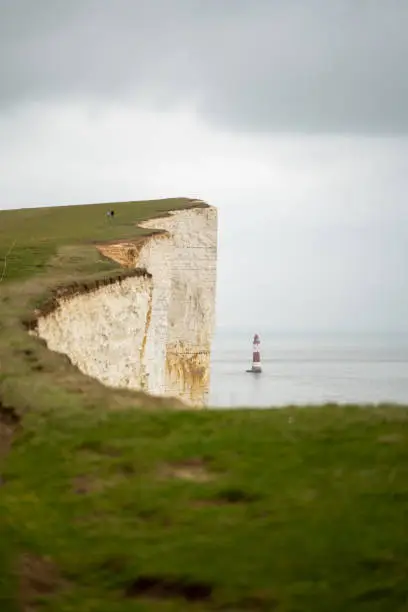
[{"x": 110, "y": 213}]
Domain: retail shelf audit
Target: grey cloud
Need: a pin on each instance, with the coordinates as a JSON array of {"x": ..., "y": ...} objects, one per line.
[{"x": 272, "y": 65}]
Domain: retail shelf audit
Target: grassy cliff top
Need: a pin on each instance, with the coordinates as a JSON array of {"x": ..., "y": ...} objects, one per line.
[
  {"x": 44, "y": 249},
  {"x": 31, "y": 239},
  {"x": 108, "y": 508}
]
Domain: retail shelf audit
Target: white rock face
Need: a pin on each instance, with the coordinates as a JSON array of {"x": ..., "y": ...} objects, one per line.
[
  {"x": 148, "y": 333},
  {"x": 103, "y": 332},
  {"x": 183, "y": 264}
]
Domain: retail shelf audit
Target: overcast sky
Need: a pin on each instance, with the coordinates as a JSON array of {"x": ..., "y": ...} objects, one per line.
[{"x": 291, "y": 116}]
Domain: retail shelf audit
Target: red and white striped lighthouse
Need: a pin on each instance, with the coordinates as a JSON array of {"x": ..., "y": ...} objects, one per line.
[{"x": 256, "y": 355}]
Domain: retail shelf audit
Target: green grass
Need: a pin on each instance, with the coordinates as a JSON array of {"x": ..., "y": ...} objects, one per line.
[
  {"x": 112, "y": 501},
  {"x": 299, "y": 509},
  {"x": 34, "y": 235}
]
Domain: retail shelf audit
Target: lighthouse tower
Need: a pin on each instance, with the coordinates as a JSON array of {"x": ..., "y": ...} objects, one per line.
[{"x": 256, "y": 356}]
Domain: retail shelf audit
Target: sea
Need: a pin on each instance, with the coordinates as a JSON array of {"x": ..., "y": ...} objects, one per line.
[{"x": 309, "y": 368}]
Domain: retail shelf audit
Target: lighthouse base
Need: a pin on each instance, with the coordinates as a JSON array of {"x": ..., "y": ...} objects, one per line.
[{"x": 255, "y": 370}]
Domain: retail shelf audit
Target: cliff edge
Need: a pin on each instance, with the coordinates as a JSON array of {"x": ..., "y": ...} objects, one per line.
[{"x": 150, "y": 331}]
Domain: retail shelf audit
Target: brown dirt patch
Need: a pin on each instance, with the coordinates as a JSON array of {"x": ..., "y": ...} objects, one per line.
[
  {"x": 192, "y": 469},
  {"x": 164, "y": 587},
  {"x": 85, "y": 484},
  {"x": 235, "y": 495},
  {"x": 38, "y": 577},
  {"x": 159, "y": 587},
  {"x": 227, "y": 497}
]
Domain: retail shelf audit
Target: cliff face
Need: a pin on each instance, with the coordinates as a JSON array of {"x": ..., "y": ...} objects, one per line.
[{"x": 150, "y": 332}]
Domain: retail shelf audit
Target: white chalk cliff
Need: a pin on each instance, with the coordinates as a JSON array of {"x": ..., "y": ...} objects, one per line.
[{"x": 151, "y": 331}]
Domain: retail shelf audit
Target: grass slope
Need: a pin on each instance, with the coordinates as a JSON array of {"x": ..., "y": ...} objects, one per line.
[{"x": 108, "y": 510}]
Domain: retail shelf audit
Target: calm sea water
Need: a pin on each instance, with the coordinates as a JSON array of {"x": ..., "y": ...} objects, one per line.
[{"x": 309, "y": 368}]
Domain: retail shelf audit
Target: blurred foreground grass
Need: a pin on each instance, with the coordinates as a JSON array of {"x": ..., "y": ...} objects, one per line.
[{"x": 295, "y": 510}]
